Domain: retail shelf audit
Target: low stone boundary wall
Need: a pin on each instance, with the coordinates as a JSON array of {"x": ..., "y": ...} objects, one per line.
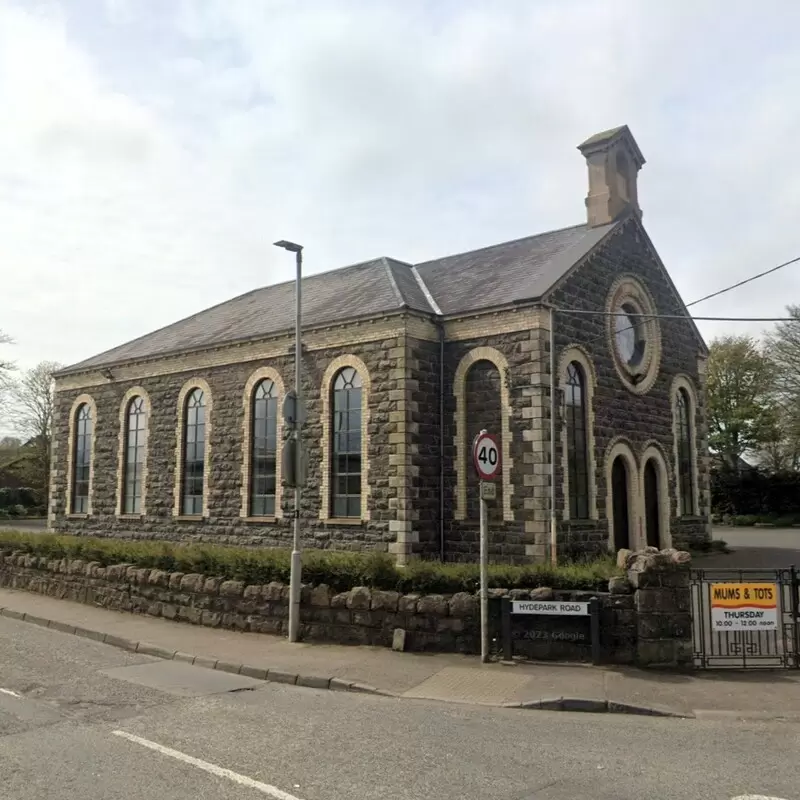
[{"x": 644, "y": 619}]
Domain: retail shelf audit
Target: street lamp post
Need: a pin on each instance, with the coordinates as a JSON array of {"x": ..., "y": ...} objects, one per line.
[{"x": 296, "y": 567}]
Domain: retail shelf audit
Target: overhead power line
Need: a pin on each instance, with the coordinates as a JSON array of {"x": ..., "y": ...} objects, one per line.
[
  {"x": 742, "y": 283},
  {"x": 700, "y": 300}
]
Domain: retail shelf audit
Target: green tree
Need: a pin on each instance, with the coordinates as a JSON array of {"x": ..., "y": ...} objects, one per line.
[{"x": 741, "y": 416}]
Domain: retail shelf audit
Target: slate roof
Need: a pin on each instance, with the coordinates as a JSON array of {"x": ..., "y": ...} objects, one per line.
[
  {"x": 510, "y": 272},
  {"x": 506, "y": 273}
]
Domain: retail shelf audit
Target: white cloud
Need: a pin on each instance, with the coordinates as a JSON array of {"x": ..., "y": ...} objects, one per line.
[{"x": 151, "y": 155}]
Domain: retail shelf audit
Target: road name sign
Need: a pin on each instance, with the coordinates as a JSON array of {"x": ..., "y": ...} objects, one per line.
[
  {"x": 563, "y": 608},
  {"x": 486, "y": 456},
  {"x": 744, "y": 606}
]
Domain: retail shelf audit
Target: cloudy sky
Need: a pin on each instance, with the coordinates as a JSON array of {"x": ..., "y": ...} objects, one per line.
[{"x": 152, "y": 150}]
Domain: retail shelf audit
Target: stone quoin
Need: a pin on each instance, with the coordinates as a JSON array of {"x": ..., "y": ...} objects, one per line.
[{"x": 177, "y": 435}]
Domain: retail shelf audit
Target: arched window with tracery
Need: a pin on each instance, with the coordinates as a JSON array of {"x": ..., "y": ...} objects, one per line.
[
  {"x": 685, "y": 445},
  {"x": 133, "y": 464},
  {"x": 577, "y": 448},
  {"x": 82, "y": 459},
  {"x": 346, "y": 435},
  {"x": 194, "y": 453},
  {"x": 264, "y": 449}
]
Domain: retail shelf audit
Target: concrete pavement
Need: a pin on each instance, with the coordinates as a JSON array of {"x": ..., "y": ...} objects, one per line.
[
  {"x": 447, "y": 678},
  {"x": 83, "y": 721}
]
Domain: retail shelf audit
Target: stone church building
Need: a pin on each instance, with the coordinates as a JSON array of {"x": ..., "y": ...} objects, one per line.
[{"x": 573, "y": 347}]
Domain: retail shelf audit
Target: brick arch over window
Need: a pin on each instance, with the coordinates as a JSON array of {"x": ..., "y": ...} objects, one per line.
[
  {"x": 577, "y": 355},
  {"x": 261, "y": 374},
  {"x": 123, "y": 448},
  {"x": 462, "y": 445},
  {"x": 686, "y": 474},
  {"x": 186, "y": 390},
  {"x": 652, "y": 451},
  {"x": 326, "y": 393},
  {"x": 81, "y": 400}
]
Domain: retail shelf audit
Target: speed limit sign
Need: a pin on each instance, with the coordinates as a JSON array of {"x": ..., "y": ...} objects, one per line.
[{"x": 486, "y": 456}]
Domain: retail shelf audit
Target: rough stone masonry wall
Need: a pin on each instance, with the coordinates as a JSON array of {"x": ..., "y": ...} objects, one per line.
[
  {"x": 510, "y": 537},
  {"x": 662, "y": 602},
  {"x": 639, "y": 419},
  {"x": 424, "y": 444},
  {"x": 644, "y": 618},
  {"x": 225, "y": 523}
]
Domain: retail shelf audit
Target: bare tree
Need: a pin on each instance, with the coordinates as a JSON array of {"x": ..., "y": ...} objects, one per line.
[
  {"x": 783, "y": 348},
  {"x": 9, "y": 447},
  {"x": 31, "y": 409},
  {"x": 6, "y": 368},
  {"x": 780, "y": 447}
]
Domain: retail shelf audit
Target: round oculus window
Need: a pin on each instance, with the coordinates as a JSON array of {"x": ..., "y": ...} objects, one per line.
[{"x": 634, "y": 335}]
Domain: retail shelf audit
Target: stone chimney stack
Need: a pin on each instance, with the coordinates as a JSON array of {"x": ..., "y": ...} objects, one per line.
[{"x": 614, "y": 161}]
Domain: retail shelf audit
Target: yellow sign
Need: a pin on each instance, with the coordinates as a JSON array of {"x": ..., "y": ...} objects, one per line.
[
  {"x": 739, "y": 595},
  {"x": 744, "y": 606}
]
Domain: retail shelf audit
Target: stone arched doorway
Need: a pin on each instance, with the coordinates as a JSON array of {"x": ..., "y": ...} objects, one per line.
[
  {"x": 652, "y": 503},
  {"x": 655, "y": 498},
  {"x": 621, "y": 503}
]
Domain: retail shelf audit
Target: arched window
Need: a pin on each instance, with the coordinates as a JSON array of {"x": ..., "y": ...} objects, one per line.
[
  {"x": 135, "y": 431},
  {"x": 194, "y": 453},
  {"x": 346, "y": 446},
  {"x": 82, "y": 459},
  {"x": 483, "y": 409},
  {"x": 264, "y": 449},
  {"x": 684, "y": 432},
  {"x": 577, "y": 452}
]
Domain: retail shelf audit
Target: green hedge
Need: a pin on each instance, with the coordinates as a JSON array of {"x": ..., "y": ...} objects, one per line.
[
  {"x": 341, "y": 571},
  {"x": 23, "y": 497},
  {"x": 748, "y": 520}
]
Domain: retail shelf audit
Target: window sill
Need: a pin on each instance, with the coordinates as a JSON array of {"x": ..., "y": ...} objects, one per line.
[
  {"x": 257, "y": 520},
  {"x": 582, "y": 523},
  {"x": 188, "y": 517},
  {"x": 352, "y": 521},
  {"x": 131, "y": 517},
  {"x": 77, "y": 516}
]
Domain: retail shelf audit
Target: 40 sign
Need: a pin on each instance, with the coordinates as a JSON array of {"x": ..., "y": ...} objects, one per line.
[{"x": 486, "y": 456}]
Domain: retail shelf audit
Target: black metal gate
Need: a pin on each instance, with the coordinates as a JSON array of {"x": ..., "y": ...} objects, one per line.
[{"x": 775, "y": 646}]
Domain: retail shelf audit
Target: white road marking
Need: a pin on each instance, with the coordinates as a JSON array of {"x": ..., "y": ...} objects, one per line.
[
  {"x": 220, "y": 772},
  {"x": 8, "y": 691},
  {"x": 755, "y": 797}
]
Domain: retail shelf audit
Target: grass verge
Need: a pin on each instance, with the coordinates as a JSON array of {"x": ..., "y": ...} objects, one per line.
[{"x": 341, "y": 571}]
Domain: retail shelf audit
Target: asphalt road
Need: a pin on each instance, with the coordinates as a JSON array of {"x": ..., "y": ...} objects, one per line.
[
  {"x": 755, "y": 548},
  {"x": 80, "y": 720},
  {"x": 32, "y": 525}
]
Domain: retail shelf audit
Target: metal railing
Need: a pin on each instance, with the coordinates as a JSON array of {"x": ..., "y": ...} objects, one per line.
[{"x": 773, "y": 646}]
